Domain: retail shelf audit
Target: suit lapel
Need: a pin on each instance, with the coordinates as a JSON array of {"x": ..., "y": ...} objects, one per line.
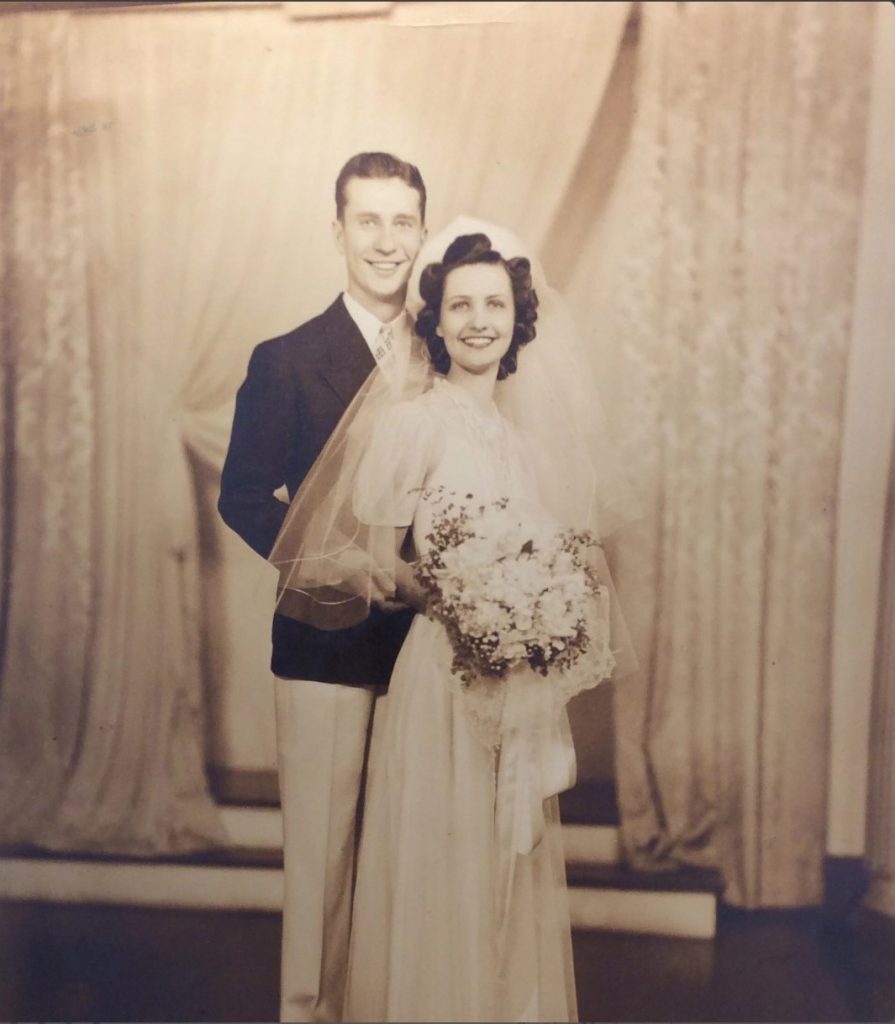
[{"x": 349, "y": 360}]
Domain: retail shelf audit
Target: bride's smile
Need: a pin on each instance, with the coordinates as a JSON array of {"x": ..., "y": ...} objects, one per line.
[{"x": 477, "y": 340}]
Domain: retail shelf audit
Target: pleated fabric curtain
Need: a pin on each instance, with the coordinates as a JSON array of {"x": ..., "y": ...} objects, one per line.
[
  {"x": 720, "y": 276},
  {"x": 167, "y": 181},
  {"x": 101, "y": 727},
  {"x": 167, "y": 190},
  {"x": 881, "y": 788}
]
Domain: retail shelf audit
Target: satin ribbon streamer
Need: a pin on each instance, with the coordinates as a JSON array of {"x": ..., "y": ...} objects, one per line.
[{"x": 536, "y": 761}]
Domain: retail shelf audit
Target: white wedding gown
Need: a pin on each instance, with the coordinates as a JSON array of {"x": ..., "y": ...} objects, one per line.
[{"x": 449, "y": 924}]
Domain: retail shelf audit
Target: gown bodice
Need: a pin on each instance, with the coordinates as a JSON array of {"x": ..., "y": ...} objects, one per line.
[{"x": 439, "y": 447}]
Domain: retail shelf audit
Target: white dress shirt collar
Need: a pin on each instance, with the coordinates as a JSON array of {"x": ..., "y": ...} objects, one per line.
[{"x": 370, "y": 325}]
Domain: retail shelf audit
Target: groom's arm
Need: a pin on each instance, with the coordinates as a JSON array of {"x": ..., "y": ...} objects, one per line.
[{"x": 265, "y": 423}]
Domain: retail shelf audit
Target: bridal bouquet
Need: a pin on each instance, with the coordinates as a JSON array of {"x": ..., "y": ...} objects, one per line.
[{"x": 508, "y": 590}]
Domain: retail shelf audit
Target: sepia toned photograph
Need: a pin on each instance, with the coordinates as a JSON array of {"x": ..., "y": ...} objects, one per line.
[{"x": 447, "y": 511}]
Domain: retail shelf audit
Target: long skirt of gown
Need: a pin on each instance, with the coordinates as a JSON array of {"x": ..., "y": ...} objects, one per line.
[{"x": 432, "y": 937}]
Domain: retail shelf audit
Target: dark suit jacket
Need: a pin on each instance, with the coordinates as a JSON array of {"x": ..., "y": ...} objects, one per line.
[{"x": 295, "y": 392}]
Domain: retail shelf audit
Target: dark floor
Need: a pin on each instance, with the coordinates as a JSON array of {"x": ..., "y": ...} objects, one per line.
[{"x": 68, "y": 963}]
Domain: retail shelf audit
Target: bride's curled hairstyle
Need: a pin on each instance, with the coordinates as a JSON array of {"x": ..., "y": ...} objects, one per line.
[{"x": 464, "y": 251}]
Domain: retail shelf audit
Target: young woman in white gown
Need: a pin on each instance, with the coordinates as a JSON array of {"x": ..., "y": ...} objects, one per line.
[{"x": 461, "y": 909}]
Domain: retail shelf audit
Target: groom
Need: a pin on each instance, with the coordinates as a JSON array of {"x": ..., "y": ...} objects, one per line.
[{"x": 296, "y": 389}]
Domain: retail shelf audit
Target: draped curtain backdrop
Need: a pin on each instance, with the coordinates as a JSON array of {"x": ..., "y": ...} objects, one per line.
[
  {"x": 721, "y": 274},
  {"x": 167, "y": 184},
  {"x": 167, "y": 187}
]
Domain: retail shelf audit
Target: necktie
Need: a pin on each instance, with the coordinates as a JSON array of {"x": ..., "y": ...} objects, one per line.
[{"x": 385, "y": 350}]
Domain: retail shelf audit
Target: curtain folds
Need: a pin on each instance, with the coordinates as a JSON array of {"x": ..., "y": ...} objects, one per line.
[
  {"x": 101, "y": 735},
  {"x": 881, "y": 787},
  {"x": 168, "y": 185},
  {"x": 728, "y": 252}
]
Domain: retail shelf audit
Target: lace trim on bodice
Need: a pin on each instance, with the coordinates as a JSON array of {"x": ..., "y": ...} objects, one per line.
[{"x": 487, "y": 429}]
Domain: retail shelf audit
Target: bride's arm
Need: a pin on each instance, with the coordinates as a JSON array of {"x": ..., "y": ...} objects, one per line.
[
  {"x": 408, "y": 589},
  {"x": 408, "y": 592}
]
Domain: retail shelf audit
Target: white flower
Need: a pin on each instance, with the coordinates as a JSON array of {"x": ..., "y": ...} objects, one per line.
[
  {"x": 514, "y": 588},
  {"x": 515, "y": 651}
]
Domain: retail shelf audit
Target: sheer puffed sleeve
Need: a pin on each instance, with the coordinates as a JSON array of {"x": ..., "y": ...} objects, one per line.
[{"x": 394, "y": 466}]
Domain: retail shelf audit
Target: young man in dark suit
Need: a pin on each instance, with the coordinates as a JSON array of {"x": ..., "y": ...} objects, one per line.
[{"x": 295, "y": 392}]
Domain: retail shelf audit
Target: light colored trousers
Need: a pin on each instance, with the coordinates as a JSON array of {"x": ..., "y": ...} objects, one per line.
[{"x": 322, "y": 733}]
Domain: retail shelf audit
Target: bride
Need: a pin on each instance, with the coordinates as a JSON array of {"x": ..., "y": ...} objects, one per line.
[{"x": 461, "y": 910}]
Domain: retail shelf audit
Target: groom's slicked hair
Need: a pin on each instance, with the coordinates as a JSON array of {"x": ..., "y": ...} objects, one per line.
[{"x": 379, "y": 165}]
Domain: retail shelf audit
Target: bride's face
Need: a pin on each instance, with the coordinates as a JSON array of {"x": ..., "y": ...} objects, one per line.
[{"x": 477, "y": 316}]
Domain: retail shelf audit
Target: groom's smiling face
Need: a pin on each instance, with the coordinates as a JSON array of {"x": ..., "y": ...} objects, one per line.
[{"x": 380, "y": 233}]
